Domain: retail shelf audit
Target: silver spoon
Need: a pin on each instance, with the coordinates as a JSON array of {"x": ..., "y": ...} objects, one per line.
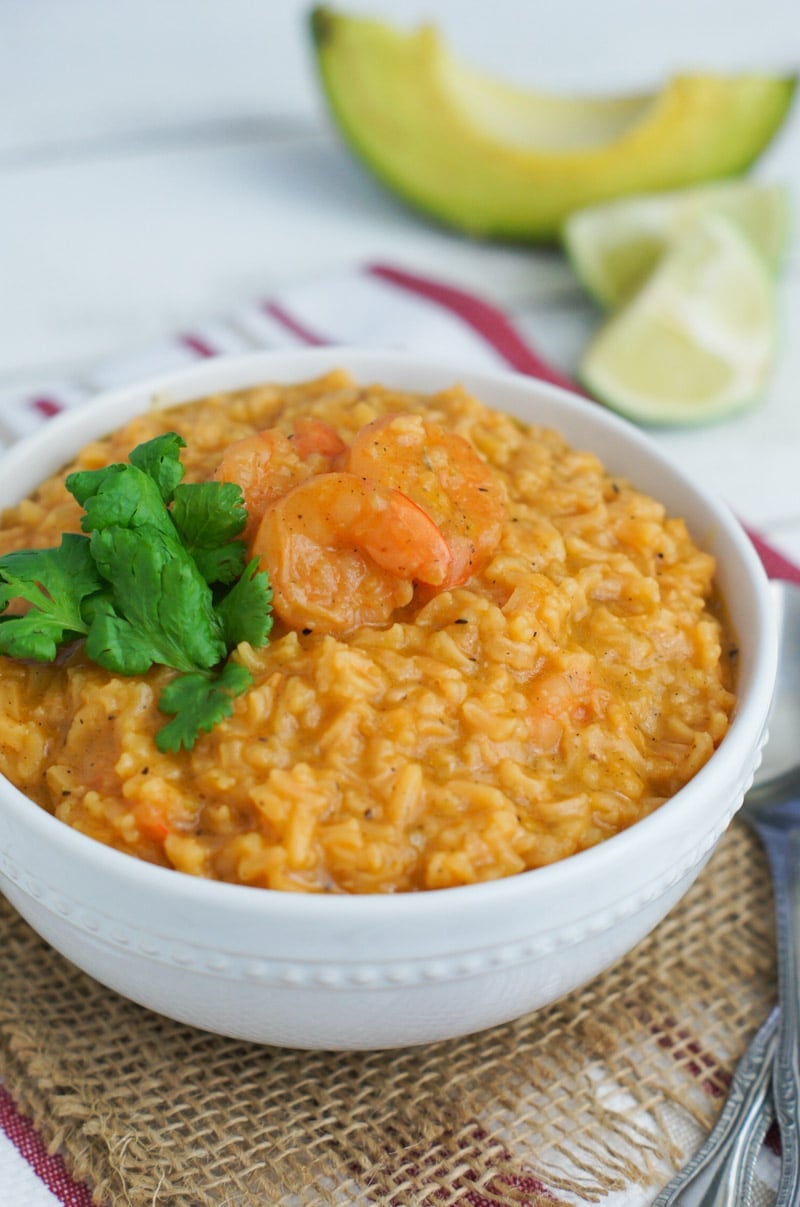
[{"x": 719, "y": 1174}]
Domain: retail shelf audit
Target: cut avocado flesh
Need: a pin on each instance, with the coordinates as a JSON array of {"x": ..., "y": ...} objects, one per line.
[{"x": 498, "y": 161}]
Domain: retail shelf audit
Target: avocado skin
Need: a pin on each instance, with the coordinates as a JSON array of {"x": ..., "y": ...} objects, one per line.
[
  {"x": 529, "y": 194},
  {"x": 323, "y": 25}
]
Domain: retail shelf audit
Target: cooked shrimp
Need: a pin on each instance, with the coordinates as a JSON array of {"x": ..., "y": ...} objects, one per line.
[
  {"x": 265, "y": 466},
  {"x": 269, "y": 464},
  {"x": 562, "y": 700},
  {"x": 443, "y": 473},
  {"x": 341, "y": 551},
  {"x": 314, "y": 437}
]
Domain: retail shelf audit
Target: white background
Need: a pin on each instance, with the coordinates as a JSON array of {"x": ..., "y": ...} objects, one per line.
[{"x": 163, "y": 160}]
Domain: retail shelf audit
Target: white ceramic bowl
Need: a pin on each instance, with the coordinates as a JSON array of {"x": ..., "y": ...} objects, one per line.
[{"x": 386, "y": 971}]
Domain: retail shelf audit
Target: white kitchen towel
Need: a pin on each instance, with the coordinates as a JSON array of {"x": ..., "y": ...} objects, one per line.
[{"x": 371, "y": 306}]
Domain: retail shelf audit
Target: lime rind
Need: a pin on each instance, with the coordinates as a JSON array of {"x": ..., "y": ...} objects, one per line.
[
  {"x": 697, "y": 342},
  {"x": 659, "y": 416}
]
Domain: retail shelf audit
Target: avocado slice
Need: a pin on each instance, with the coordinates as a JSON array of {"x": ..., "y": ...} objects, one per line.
[{"x": 501, "y": 162}]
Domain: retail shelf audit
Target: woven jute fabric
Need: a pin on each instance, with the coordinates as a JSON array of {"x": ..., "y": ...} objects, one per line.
[{"x": 572, "y": 1102}]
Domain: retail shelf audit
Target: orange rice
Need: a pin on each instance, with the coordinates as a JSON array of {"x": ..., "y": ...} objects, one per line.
[{"x": 565, "y": 691}]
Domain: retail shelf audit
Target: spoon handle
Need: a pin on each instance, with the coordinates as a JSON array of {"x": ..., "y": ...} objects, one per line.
[
  {"x": 719, "y": 1173},
  {"x": 782, "y": 844}
]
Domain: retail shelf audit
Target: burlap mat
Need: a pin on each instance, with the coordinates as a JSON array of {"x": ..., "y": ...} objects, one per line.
[{"x": 582, "y": 1098}]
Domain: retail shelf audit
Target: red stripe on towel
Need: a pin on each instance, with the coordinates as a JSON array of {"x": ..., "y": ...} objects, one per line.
[
  {"x": 294, "y": 326},
  {"x": 51, "y": 1170},
  {"x": 487, "y": 321},
  {"x": 46, "y": 406},
  {"x": 775, "y": 564},
  {"x": 198, "y": 345}
]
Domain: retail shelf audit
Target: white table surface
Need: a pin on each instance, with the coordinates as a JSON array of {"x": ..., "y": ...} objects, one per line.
[{"x": 162, "y": 161}]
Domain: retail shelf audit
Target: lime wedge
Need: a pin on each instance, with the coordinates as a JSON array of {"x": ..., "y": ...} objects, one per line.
[
  {"x": 614, "y": 247},
  {"x": 697, "y": 341}
]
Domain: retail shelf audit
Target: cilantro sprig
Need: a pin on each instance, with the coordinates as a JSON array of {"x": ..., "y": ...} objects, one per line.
[{"x": 158, "y": 578}]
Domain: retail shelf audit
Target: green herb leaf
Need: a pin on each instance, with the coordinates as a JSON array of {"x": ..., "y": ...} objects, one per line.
[
  {"x": 246, "y": 611},
  {"x": 198, "y": 704},
  {"x": 208, "y": 517},
  {"x": 139, "y": 587},
  {"x": 122, "y": 495},
  {"x": 161, "y": 605},
  {"x": 116, "y": 644},
  {"x": 56, "y": 582},
  {"x": 160, "y": 459}
]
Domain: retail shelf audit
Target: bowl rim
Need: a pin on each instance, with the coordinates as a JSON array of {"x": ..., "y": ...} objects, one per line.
[{"x": 86, "y": 421}]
